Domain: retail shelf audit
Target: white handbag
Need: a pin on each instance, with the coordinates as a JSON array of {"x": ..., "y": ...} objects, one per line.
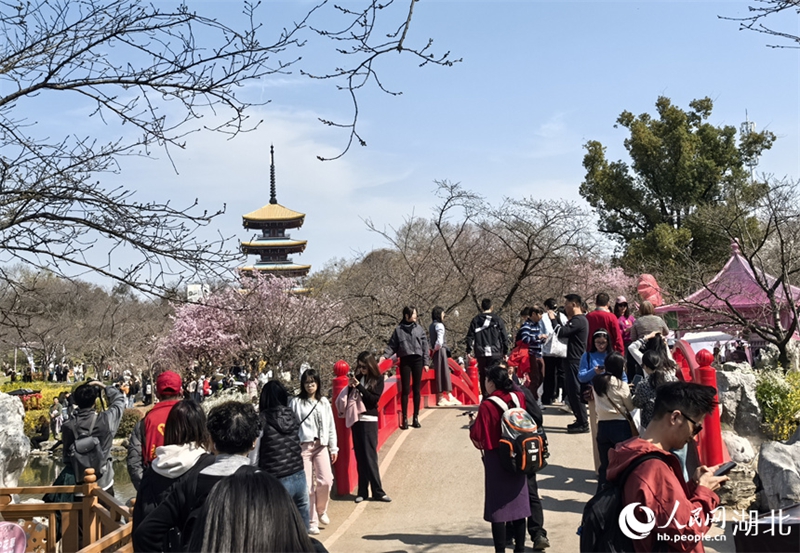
[{"x": 554, "y": 346}]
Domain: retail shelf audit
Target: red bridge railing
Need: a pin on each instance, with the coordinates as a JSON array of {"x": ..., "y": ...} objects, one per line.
[
  {"x": 697, "y": 368},
  {"x": 465, "y": 389}
]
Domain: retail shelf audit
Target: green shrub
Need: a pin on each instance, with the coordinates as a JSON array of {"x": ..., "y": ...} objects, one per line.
[
  {"x": 778, "y": 395},
  {"x": 129, "y": 419}
]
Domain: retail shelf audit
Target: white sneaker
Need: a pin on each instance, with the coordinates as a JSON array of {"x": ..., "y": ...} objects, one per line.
[
  {"x": 443, "y": 403},
  {"x": 323, "y": 518},
  {"x": 454, "y": 400},
  {"x": 313, "y": 531}
]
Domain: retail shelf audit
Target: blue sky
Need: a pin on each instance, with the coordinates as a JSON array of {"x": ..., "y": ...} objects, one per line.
[{"x": 538, "y": 80}]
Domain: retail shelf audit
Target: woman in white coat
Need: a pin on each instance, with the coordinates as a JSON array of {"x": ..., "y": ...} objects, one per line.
[{"x": 318, "y": 443}]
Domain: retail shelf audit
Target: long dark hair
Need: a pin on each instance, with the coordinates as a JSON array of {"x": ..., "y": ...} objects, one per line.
[
  {"x": 408, "y": 310},
  {"x": 273, "y": 394},
  {"x": 653, "y": 361},
  {"x": 498, "y": 375},
  {"x": 249, "y": 511},
  {"x": 310, "y": 374},
  {"x": 657, "y": 344},
  {"x": 368, "y": 360},
  {"x": 615, "y": 366},
  {"x": 186, "y": 423},
  {"x": 436, "y": 314}
]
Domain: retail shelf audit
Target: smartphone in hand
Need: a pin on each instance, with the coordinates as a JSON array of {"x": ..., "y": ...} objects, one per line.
[{"x": 724, "y": 469}]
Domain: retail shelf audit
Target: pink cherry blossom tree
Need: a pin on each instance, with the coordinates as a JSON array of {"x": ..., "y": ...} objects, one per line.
[{"x": 263, "y": 321}]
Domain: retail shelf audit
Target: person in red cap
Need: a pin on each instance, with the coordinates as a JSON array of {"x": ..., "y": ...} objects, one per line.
[{"x": 148, "y": 434}]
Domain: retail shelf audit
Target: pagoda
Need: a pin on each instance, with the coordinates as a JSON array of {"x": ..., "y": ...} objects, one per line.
[{"x": 274, "y": 245}]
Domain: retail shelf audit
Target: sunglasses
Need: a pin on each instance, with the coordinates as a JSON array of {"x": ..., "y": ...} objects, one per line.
[{"x": 697, "y": 427}]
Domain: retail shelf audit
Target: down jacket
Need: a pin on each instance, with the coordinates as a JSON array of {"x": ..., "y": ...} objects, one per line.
[{"x": 279, "y": 447}]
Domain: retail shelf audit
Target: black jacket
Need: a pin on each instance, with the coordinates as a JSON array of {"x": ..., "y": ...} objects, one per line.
[
  {"x": 487, "y": 336},
  {"x": 371, "y": 395},
  {"x": 577, "y": 331},
  {"x": 181, "y": 507},
  {"x": 154, "y": 488},
  {"x": 279, "y": 450}
]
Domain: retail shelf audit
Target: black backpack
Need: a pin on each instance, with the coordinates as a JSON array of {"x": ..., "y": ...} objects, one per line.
[
  {"x": 86, "y": 452},
  {"x": 599, "y": 531}
]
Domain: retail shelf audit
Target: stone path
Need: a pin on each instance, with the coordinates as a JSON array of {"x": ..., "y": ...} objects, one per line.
[{"x": 435, "y": 478}]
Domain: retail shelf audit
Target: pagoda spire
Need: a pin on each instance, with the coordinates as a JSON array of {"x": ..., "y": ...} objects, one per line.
[{"x": 272, "y": 192}]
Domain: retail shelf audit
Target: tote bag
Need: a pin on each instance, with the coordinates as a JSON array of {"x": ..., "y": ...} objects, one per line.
[{"x": 554, "y": 346}]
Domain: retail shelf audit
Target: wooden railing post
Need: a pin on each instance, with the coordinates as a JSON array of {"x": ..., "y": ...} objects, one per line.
[
  {"x": 90, "y": 533},
  {"x": 345, "y": 467}
]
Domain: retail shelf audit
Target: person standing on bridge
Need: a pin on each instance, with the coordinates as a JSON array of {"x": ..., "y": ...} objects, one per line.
[
  {"x": 366, "y": 386},
  {"x": 577, "y": 333},
  {"x": 487, "y": 340},
  {"x": 410, "y": 343},
  {"x": 444, "y": 386},
  {"x": 506, "y": 494}
]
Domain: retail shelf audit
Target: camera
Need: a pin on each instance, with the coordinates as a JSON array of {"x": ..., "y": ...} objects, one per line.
[{"x": 351, "y": 374}]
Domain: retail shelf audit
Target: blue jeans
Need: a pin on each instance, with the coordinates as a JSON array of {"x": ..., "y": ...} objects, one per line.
[{"x": 296, "y": 485}]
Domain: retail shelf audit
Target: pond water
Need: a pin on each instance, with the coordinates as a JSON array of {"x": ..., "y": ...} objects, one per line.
[{"x": 42, "y": 471}]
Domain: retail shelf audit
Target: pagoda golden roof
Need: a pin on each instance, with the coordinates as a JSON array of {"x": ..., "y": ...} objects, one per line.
[
  {"x": 276, "y": 267},
  {"x": 275, "y": 243},
  {"x": 274, "y": 212}
]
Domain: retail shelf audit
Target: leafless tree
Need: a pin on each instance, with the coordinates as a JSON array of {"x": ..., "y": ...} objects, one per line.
[
  {"x": 151, "y": 75},
  {"x": 765, "y": 10},
  {"x": 513, "y": 252},
  {"x": 771, "y": 249}
]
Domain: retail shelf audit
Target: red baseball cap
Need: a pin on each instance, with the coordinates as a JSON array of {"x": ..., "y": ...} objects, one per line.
[{"x": 169, "y": 383}]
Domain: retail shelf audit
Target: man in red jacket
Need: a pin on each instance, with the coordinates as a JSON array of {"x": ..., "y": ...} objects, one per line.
[
  {"x": 680, "y": 512},
  {"x": 602, "y": 317},
  {"x": 148, "y": 434}
]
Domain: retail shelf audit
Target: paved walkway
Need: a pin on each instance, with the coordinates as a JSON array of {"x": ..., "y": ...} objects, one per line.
[{"x": 435, "y": 477}]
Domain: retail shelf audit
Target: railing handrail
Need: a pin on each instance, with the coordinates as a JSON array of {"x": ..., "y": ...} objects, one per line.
[
  {"x": 465, "y": 387},
  {"x": 101, "y": 512}
]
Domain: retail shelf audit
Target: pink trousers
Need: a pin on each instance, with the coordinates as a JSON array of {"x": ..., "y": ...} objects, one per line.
[{"x": 319, "y": 478}]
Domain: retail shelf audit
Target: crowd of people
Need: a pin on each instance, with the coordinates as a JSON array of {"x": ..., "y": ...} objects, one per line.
[
  {"x": 612, "y": 364},
  {"x": 275, "y": 459}
]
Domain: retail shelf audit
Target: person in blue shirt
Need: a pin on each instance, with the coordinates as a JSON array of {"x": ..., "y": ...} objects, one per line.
[{"x": 592, "y": 364}]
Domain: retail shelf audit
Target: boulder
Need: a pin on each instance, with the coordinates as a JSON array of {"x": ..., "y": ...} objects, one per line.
[
  {"x": 739, "y": 491},
  {"x": 743, "y": 367},
  {"x": 739, "y": 448},
  {"x": 779, "y": 471},
  {"x": 739, "y": 409},
  {"x": 14, "y": 444}
]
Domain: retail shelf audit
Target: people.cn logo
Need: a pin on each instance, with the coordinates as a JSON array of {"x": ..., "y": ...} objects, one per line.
[{"x": 634, "y": 528}]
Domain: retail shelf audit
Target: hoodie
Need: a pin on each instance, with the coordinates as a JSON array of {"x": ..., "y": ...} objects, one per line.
[
  {"x": 173, "y": 461},
  {"x": 659, "y": 485},
  {"x": 409, "y": 339},
  {"x": 279, "y": 445},
  {"x": 171, "y": 465}
]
